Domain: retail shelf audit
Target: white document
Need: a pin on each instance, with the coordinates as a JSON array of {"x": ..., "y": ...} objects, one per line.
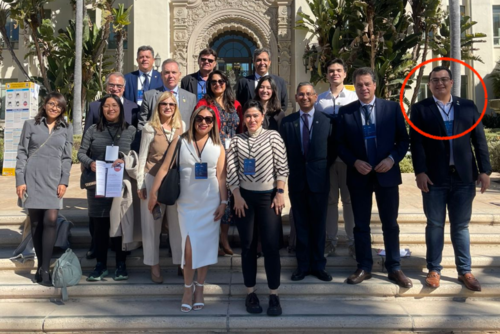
[{"x": 108, "y": 179}]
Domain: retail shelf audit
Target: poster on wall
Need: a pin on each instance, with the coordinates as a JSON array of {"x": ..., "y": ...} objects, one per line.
[{"x": 21, "y": 101}]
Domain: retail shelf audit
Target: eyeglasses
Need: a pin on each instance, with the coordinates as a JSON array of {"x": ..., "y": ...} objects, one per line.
[
  {"x": 443, "y": 80},
  {"x": 208, "y": 119},
  {"x": 164, "y": 104},
  {"x": 215, "y": 82},
  {"x": 110, "y": 85},
  {"x": 306, "y": 94},
  {"x": 54, "y": 105},
  {"x": 207, "y": 59}
]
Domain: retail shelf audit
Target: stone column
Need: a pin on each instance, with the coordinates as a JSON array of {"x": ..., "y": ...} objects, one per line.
[
  {"x": 285, "y": 45},
  {"x": 180, "y": 34}
]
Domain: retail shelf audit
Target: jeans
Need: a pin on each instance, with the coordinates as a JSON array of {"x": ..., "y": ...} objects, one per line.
[{"x": 457, "y": 196}]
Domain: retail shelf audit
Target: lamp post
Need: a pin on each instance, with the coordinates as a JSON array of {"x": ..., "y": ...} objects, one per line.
[{"x": 157, "y": 61}]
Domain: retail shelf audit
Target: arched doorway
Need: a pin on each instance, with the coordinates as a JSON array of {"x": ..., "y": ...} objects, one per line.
[{"x": 234, "y": 50}]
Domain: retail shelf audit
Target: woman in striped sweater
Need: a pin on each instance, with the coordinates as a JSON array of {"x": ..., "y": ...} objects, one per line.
[{"x": 257, "y": 170}]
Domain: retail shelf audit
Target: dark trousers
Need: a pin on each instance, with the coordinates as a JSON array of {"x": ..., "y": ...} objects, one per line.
[
  {"x": 458, "y": 197},
  {"x": 388, "y": 205},
  {"x": 260, "y": 220},
  {"x": 91, "y": 230},
  {"x": 309, "y": 214},
  {"x": 101, "y": 236}
]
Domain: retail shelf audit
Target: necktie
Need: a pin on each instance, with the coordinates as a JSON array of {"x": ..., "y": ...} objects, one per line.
[
  {"x": 371, "y": 147},
  {"x": 305, "y": 133},
  {"x": 145, "y": 86}
]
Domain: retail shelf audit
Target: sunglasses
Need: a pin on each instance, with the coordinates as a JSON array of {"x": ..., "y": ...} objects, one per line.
[
  {"x": 199, "y": 119},
  {"x": 164, "y": 104},
  {"x": 207, "y": 59},
  {"x": 215, "y": 82}
]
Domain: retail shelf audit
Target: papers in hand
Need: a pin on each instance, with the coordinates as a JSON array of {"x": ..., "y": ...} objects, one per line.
[
  {"x": 109, "y": 179},
  {"x": 402, "y": 252}
]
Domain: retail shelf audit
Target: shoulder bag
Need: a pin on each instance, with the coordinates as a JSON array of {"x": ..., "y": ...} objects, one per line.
[{"x": 170, "y": 188}]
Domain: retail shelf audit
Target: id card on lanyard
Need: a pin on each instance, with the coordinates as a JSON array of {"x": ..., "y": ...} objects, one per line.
[
  {"x": 200, "y": 168},
  {"x": 249, "y": 163},
  {"x": 448, "y": 124},
  {"x": 112, "y": 151},
  {"x": 140, "y": 97}
]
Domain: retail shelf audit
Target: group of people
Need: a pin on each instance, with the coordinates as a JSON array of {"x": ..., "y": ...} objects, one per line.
[{"x": 235, "y": 151}]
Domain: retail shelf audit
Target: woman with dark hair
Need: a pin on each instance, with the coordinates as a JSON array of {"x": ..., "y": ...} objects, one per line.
[
  {"x": 202, "y": 200},
  {"x": 267, "y": 93},
  {"x": 257, "y": 169},
  {"x": 220, "y": 97},
  {"x": 111, "y": 130},
  {"x": 42, "y": 175}
]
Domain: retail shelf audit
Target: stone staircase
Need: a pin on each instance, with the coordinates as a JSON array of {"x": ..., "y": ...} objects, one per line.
[{"x": 375, "y": 306}]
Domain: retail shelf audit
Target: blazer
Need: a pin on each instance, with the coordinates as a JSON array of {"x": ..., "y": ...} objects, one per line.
[
  {"x": 131, "y": 84},
  {"x": 392, "y": 139},
  {"x": 246, "y": 90},
  {"x": 185, "y": 99},
  {"x": 432, "y": 156},
  {"x": 314, "y": 168},
  {"x": 190, "y": 83},
  {"x": 131, "y": 113}
]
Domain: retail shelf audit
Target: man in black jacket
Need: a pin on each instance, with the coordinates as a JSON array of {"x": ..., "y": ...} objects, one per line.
[
  {"x": 196, "y": 83},
  {"x": 446, "y": 171}
]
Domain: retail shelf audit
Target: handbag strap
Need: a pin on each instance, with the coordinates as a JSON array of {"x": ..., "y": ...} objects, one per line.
[
  {"x": 176, "y": 156},
  {"x": 45, "y": 142}
]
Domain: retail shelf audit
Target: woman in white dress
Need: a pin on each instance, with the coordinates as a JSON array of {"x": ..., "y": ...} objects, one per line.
[{"x": 202, "y": 201}]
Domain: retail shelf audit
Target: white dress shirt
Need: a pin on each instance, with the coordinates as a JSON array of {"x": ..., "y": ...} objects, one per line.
[
  {"x": 443, "y": 109},
  {"x": 142, "y": 77},
  {"x": 257, "y": 78},
  {"x": 326, "y": 99}
]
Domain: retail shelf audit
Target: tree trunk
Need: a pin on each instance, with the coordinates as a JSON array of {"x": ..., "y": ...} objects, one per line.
[
  {"x": 34, "y": 35},
  {"x": 6, "y": 38},
  {"x": 119, "y": 51},
  {"x": 455, "y": 45},
  {"x": 77, "y": 88},
  {"x": 421, "y": 70}
]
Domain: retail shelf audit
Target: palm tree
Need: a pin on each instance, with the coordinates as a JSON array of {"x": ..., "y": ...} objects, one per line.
[
  {"x": 121, "y": 19},
  {"x": 456, "y": 48},
  {"x": 77, "y": 89}
]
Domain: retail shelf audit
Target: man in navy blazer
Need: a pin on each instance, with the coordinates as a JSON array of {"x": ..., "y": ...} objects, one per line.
[
  {"x": 446, "y": 171},
  {"x": 372, "y": 141},
  {"x": 310, "y": 150},
  {"x": 245, "y": 90},
  {"x": 146, "y": 78}
]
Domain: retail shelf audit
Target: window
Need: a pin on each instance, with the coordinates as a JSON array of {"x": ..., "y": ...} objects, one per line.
[
  {"x": 496, "y": 25},
  {"x": 13, "y": 33},
  {"x": 112, "y": 41}
]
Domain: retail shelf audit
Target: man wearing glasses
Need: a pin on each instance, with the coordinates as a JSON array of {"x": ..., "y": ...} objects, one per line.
[
  {"x": 196, "y": 83},
  {"x": 446, "y": 171},
  {"x": 170, "y": 75}
]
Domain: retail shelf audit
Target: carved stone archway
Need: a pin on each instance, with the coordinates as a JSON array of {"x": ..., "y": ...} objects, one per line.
[{"x": 198, "y": 22}]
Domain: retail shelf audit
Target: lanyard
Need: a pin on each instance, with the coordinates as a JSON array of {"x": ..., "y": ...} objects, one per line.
[
  {"x": 248, "y": 143},
  {"x": 198, "y": 149},
  {"x": 369, "y": 120},
  {"x": 444, "y": 111},
  {"x": 143, "y": 81},
  {"x": 116, "y": 134},
  {"x": 202, "y": 86},
  {"x": 310, "y": 126},
  {"x": 169, "y": 141}
]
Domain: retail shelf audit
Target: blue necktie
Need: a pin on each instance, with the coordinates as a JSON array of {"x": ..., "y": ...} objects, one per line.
[
  {"x": 305, "y": 133},
  {"x": 145, "y": 86},
  {"x": 371, "y": 147}
]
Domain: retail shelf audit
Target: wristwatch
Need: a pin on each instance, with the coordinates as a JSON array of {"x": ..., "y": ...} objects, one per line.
[
  {"x": 280, "y": 191},
  {"x": 224, "y": 202}
]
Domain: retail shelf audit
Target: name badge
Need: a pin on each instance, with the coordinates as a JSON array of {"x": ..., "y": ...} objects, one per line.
[
  {"x": 369, "y": 131},
  {"x": 249, "y": 166},
  {"x": 201, "y": 171},
  {"x": 111, "y": 153},
  {"x": 140, "y": 96},
  {"x": 227, "y": 143},
  {"x": 449, "y": 128}
]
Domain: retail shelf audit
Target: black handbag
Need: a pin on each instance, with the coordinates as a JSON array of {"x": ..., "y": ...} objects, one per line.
[
  {"x": 170, "y": 188},
  {"x": 88, "y": 179}
]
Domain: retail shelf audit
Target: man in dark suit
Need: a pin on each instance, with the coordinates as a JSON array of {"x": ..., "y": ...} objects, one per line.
[
  {"x": 446, "y": 171},
  {"x": 372, "y": 141},
  {"x": 115, "y": 84},
  {"x": 196, "y": 83},
  {"x": 246, "y": 86},
  {"x": 310, "y": 151},
  {"x": 170, "y": 75},
  {"x": 146, "y": 78}
]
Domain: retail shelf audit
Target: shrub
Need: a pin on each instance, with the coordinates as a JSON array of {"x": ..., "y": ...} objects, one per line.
[
  {"x": 406, "y": 165},
  {"x": 77, "y": 140},
  {"x": 491, "y": 121}
]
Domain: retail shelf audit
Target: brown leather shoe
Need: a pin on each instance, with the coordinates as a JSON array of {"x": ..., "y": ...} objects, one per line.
[
  {"x": 470, "y": 282},
  {"x": 432, "y": 279},
  {"x": 359, "y": 276},
  {"x": 398, "y": 277}
]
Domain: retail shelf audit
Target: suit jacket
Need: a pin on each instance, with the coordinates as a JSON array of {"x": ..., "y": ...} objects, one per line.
[
  {"x": 246, "y": 90},
  {"x": 131, "y": 84},
  {"x": 314, "y": 168},
  {"x": 185, "y": 99},
  {"x": 432, "y": 156},
  {"x": 131, "y": 113},
  {"x": 391, "y": 138},
  {"x": 190, "y": 83}
]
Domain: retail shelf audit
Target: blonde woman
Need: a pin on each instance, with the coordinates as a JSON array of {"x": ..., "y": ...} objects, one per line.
[
  {"x": 157, "y": 135},
  {"x": 202, "y": 201}
]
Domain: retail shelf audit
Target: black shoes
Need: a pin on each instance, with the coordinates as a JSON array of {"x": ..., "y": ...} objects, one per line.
[
  {"x": 100, "y": 271},
  {"x": 43, "y": 278},
  {"x": 298, "y": 275},
  {"x": 90, "y": 254},
  {"x": 321, "y": 275},
  {"x": 121, "y": 273},
  {"x": 274, "y": 308},
  {"x": 252, "y": 304}
]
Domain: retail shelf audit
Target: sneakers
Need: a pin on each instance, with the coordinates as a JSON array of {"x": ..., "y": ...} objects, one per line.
[
  {"x": 329, "y": 248},
  {"x": 274, "y": 308},
  {"x": 99, "y": 272},
  {"x": 121, "y": 273},
  {"x": 252, "y": 303}
]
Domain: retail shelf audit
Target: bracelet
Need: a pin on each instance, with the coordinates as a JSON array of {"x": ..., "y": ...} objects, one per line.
[{"x": 224, "y": 202}]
